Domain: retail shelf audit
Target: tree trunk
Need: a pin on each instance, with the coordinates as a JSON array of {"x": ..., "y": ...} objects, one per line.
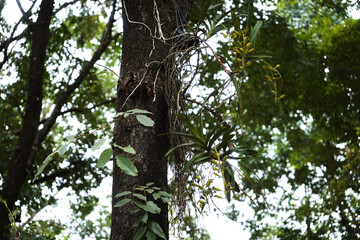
[
  {"x": 142, "y": 85},
  {"x": 17, "y": 171}
]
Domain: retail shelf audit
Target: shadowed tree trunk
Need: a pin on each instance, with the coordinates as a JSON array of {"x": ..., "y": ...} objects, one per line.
[{"x": 142, "y": 85}]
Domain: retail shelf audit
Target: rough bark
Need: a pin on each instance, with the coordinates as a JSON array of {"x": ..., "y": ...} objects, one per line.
[
  {"x": 17, "y": 171},
  {"x": 143, "y": 74}
]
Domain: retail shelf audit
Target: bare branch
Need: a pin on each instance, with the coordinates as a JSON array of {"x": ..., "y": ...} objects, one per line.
[
  {"x": 81, "y": 110},
  {"x": 65, "y": 94},
  {"x": 25, "y": 16},
  {"x": 5, "y": 44},
  {"x": 64, "y": 6}
]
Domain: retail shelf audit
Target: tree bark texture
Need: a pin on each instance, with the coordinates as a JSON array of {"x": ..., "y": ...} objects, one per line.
[
  {"x": 142, "y": 85},
  {"x": 17, "y": 171}
]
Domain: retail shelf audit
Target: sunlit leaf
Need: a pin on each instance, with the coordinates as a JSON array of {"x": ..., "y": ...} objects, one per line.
[
  {"x": 137, "y": 111},
  {"x": 47, "y": 160},
  {"x": 145, "y": 120},
  {"x": 254, "y": 31},
  {"x": 153, "y": 206},
  {"x": 127, "y": 149},
  {"x": 98, "y": 144},
  {"x": 105, "y": 156},
  {"x": 62, "y": 150},
  {"x": 140, "y": 196}
]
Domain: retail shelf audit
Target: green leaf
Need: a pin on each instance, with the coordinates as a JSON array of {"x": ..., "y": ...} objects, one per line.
[
  {"x": 71, "y": 138},
  {"x": 165, "y": 194},
  {"x": 126, "y": 165},
  {"x": 156, "y": 195},
  {"x": 119, "y": 114},
  {"x": 145, "y": 120},
  {"x": 62, "y": 150},
  {"x": 261, "y": 56},
  {"x": 129, "y": 149},
  {"x": 105, "y": 156},
  {"x": 242, "y": 151},
  {"x": 220, "y": 131},
  {"x": 254, "y": 31},
  {"x": 122, "y": 194},
  {"x": 203, "y": 11},
  {"x": 140, "y": 196},
  {"x": 47, "y": 160},
  {"x": 149, "y": 207},
  {"x": 141, "y": 205},
  {"x": 186, "y": 135},
  {"x": 229, "y": 177},
  {"x": 122, "y": 202},
  {"x": 193, "y": 128},
  {"x": 137, "y": 111},
  {"x": 198, "y": 159},
  {"x": 139, "y": 233},
  {"x": 98, "y": 144},
  {"x": 155, "y": 227},
  {"x": 145, "y": 218},
  {"x": 153, "y": 206},
  {"x": 150, "y": 190},
  {"x": 165, "y": 199},
  {"x": 135, "y": 210},
  {"x": 149, "y": 184},
  {"x": 191, "y": 144},
  {"x": 137, "y": 222},
  {"x": 235, "y": 21},
  {"x": 150, "y": 235}
]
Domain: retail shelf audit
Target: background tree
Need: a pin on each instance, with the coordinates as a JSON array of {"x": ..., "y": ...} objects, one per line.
[
  {"x": 51, "y": 83},
  {"x": 314, "y": 131}
]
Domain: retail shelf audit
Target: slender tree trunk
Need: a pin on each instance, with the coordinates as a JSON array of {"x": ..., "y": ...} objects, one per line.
[
  {"x": 17, "y": 171},
  {"x": 142, "y": 85}
]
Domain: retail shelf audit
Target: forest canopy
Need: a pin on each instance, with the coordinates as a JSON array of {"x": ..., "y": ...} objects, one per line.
[{"x": 263, "y": 97}]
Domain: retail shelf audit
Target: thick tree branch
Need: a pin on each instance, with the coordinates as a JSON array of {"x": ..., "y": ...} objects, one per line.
[
  {"x": 81, "y": 110},
  {"x": 5, "y": 44},
  {"x": 25, "y": 16},
  {"x": 65, "y": 94},
  {"x": 61, "y": 173},
  {"x": 65, "y": 5},
  {"x": 17, "y": 170}
]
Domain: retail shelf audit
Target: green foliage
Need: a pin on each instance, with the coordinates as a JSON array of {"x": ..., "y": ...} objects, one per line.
[
  {"x": 42, "y": 230},
  {"x": 73, "y": 33},
  {"x": 314, "y": 132},
  {"x": 125, "y": 164},
  {"x": 194, "y": 233},
  {"x": 311, "y": 129},
  {"x": 139, "y": 113},
  {"x": 141, "y": 201},
  {"x": 214, "y": 148}
]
